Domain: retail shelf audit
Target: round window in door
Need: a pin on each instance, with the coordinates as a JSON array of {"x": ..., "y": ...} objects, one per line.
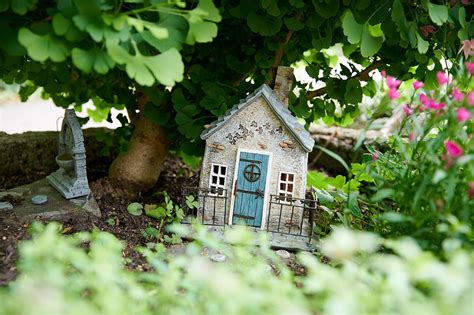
[{"x": 252, "y": 172}]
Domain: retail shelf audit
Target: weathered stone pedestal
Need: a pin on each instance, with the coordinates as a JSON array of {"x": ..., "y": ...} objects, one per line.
[{"x": 71, "y": 177}]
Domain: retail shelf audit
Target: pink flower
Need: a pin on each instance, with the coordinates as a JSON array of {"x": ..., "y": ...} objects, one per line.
[
  {"x": 454, "y": 150},
  {"x": 465, "y": 2},
  {"x": 392, "y": 82},
  {"x": 375, "y": 156},
  {"x": 470, "y": 98},
  {"x": 417, "y": 85},
  {"x": 430, "y": 103},
  {"x": 458, "y": 95},
  {"x": 467, "y": 47},
  {"x": 411, "y": 136},
  {"x": 441, "y": 78},
  {"x": 383, "y": 73},
  {"x": 470, "y": 67},
  {"x": 393, "y": 94},
  {"x": 407, "y": 110},
  {"x": 463, "y": 114}
]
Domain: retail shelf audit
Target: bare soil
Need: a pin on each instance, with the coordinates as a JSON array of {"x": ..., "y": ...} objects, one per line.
[{"x": 115, "y": 219}]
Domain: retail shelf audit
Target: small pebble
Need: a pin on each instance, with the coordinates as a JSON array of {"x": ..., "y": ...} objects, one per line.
[
  {"x": 283, "y": 254},
  {"x": 6, "y": 206},
  {"x": 218, "y": 258},
  {"x": 39, "y": 199}
]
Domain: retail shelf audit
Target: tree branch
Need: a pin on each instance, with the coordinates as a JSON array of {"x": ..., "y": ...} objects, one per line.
[
  {"x": 361, "y": 76},
  {"x": 278, "y": 57}
]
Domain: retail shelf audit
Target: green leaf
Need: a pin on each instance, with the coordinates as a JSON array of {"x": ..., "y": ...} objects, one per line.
[
  {"x": 353, "y": 205},
  {"x": 22, "y": 6},
  {"x": 177, "y": 29},
  {"x": 383, "y": 194},
  {"x": 61, "y": 24},
  {"x": 158, "y": 213},
  {"x": 438, "y": 13},
  {"x": 375, "y": 30},
  {"x": 297, "y": 3},
  {"x": 317, "y": 180},
  {"x": 423, "y": 45},
  {"x": 263, "y": 24},
  {"x": 334, "y": 156},
  {"x": 351, "y": 28},
  {"x": 326, "y": 8},
  {"x": 202, "y": 27},
  {"x": 191, "y": 202},
  {"x": 324, "y": 197},
  {"x": 135, "y": 208},
  {"x": 271, "y": 7},
  {"x": 394, "y": 217},
  {"x": 43, "y": 47},
  {"x": 156, "y": 30},
  {"x": 370, "y": 45},
  {"x": 96, "y": 59},
  {"x": 167, "y": 68},
  {"x": 398, "y": 17},
  {"x": 4, "y": 5},
  {"x": 336, "y": 182},
  {"x": 293, "y": 24},
  {"x": 353, "y": 92}
]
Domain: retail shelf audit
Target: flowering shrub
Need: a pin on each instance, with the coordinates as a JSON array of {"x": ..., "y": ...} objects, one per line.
[
  {"x": 59, "y": 276},
  {"x": 426, "y": 177}
]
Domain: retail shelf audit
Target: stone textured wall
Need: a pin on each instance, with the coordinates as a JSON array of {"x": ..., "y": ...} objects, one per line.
[
  {"x": 29, "y": 156},
  {"x": 256, "y": 128}
]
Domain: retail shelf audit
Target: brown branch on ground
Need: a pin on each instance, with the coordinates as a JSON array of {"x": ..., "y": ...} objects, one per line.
[
  {"x": 361, "y": 76},
  {"x": 277, "y": 59}
]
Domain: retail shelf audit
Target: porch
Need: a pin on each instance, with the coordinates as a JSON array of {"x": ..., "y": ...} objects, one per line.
[{"x": 288, "y": 221}]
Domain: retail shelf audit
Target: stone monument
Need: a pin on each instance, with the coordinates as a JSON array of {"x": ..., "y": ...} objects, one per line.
[{"x": 71, "y": 177}]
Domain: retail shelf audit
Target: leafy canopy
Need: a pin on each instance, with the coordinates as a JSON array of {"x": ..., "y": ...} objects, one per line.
[{"x": 114, "y": 51}]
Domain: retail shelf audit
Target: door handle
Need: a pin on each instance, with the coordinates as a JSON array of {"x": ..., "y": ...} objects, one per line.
[{"x": 259, "y": 193}]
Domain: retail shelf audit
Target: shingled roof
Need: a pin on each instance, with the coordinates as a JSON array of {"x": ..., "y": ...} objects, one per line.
[{"x": 289, "y": 121}]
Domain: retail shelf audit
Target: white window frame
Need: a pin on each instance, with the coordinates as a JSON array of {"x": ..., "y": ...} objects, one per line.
[
  {"x": 288, "y": 195},
  {"x": 219, "y": 176}
]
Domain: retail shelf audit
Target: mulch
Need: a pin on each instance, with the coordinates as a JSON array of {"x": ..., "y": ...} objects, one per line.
[{"x": 115, "y": 218}]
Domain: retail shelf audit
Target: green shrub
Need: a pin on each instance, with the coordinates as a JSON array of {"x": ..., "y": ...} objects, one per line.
[
  {"x": 425, "y": 181},
  {"x": 60, "y": 275}
]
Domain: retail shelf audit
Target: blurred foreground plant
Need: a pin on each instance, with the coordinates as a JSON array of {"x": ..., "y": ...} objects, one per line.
[{"x": 58, "y": 275}]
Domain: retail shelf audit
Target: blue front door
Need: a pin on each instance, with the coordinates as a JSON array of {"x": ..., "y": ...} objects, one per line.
[{"x": 249, "y": 191}]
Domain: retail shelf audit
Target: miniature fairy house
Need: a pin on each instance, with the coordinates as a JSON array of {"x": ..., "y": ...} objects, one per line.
[
  {"x": 255, "y": 150},
  {"x": 71, "y": 177}
]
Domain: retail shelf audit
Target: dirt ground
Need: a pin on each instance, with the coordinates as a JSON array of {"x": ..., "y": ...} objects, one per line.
[{"x": 115, "y": 218}]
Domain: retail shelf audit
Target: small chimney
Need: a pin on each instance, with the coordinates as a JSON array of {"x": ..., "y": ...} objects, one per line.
[{"x": 283, "y": 81}]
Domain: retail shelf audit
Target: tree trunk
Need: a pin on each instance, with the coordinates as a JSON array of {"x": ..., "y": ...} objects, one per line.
[{"x": 139, "y": 168}]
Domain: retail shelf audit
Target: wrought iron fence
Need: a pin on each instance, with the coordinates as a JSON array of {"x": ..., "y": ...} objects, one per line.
[
  {"x": 211, "y": 208},
  {"x": 291, "y": 216},
  {"x": 285, "y": 215}
]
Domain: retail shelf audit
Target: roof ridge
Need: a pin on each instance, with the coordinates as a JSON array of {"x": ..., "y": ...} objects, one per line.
[{"x": 283, "y": 113}]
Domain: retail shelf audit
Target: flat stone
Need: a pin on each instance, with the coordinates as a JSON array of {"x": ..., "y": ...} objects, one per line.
[
  {"x": 5, "y": 206},
  {"x": 58, "y": 207},
  {"x": 283, "y": 254},
  {"x": 39, "y": 199},
  {"x": 218, "y": 257}
]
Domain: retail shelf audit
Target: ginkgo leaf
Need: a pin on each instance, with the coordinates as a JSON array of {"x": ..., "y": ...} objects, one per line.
[
  {"x": 43, "y": 47},
  {"x": 351, "y": 28},
  {"x": 202, "y": 26},
  {"x": 166, "y": 68},
  {"x": 96, "y": 59}
]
